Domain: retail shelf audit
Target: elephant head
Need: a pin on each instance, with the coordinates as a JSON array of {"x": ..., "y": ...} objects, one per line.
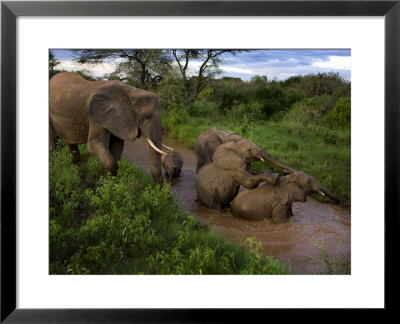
[
  {"x": 129, "y": 113},
  {"x": 237, "y": 155},
  {"x": 302, "y": 185}
]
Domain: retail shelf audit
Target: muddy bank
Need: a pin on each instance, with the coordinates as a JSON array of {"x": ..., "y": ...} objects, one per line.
[{"x": 289, "y": 242}]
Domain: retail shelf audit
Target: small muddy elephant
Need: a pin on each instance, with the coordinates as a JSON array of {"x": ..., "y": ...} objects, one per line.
[
  {"x": 217, "y": 183},
  {"x": 172, "y": 164},
  {"x": 275, "y": 202},
  {"x": 207, "y": 143},
  {"x": 104, "y": 114}
]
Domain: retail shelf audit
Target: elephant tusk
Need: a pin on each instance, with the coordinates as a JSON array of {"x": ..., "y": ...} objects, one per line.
[
  {"x": 154, "y": 147},
  {"x": 167, "y": 147},
  {"x": 321, "y": 193},
  {"x": 262, "y": 159}
]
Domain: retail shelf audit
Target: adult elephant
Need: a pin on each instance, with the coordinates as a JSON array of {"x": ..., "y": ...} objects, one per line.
[
  {"x": 217, "y": 183},
  {"x": 207, "y": 143},
  {"x": 104, "y": 114},
  {"x": 275, "y": 202}
]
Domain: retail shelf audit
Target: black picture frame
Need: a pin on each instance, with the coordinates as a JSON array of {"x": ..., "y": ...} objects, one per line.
[{"x": 10, "y": 10}]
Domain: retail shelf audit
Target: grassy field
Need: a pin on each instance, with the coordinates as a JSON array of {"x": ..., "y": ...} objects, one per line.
[
  {"x": 125, "y": 224},
  {"x": 315, "y": 148}
]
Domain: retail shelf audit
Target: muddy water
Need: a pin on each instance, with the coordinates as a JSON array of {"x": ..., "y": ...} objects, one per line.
[{"x": 289, "y": 242}]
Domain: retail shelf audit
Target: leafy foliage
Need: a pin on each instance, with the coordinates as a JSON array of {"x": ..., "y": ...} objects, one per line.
[
  {"x": 341, "y": 114},
  {"x": 127, "y": 225}
]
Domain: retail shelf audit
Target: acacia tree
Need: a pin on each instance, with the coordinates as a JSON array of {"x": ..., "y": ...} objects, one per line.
[
  {"x": 145, "y": 67},
  {"x": 208, "y": 62}
]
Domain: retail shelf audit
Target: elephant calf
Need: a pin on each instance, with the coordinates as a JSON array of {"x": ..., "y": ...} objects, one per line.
[
  {"x": 217, "y": 183},
  {"x": 275, "y": 202},
  {"x": 172, "y": 163}
]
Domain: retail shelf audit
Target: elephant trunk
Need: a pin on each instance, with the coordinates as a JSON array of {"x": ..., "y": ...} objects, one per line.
[
  {"x": 266, "y": 156},
  {"x": 154, "y": 138},
  {"x": 325, "y": 192}
]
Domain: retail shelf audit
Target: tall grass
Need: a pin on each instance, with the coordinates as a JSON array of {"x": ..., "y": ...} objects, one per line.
[{"x": 100, "y": 224}]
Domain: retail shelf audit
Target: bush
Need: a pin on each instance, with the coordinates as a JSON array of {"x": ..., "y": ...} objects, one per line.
[
  {"x": 321, "y": 84},
  {"x": 311, "y": 110},
  {"x": 243, "y": 113},
  {"x": 340, "y": 115},
  {"x": 271, "y": 97}
]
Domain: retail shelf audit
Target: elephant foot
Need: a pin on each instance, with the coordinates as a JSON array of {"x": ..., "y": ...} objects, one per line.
[
  {"x": 216, "y": 206},
  {"x": 76, "y": 158},
  {"x": 76, "y": 155},
  {"x": 113, "y": 171},
  {"x": 272, "y": 178}
]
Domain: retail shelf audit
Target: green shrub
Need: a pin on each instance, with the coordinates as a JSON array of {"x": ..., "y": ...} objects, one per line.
[
  {"x": 340, "y": 115},
  {"x": 305, "y": 112},
  {"x": 321, "y": 84},
  {"x": 243, "y": 113}
]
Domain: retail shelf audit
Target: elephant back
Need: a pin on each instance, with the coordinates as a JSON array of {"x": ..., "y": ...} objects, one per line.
[
  {"x": 214, "y": 186},
  {"x": 68, "y": 107}
]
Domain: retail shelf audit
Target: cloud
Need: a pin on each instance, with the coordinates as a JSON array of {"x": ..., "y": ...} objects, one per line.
[
  {"x": 333, "y": 63},
  {"x": 97, "y": 70},
  {"x": 232, "y": 69}
]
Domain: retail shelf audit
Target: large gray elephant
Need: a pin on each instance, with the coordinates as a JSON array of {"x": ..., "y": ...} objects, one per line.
[
  {"x": 104, "y": 114},
  {"x": 217, "y": 183},
  {"x": 207, "y": 143},
  {"x": 275, "y": 202}
]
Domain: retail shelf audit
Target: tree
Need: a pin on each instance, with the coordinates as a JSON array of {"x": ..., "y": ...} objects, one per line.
[
  {"x": 52, "y": 63},
  {"x": 208, "y": 67},
  {"x": 144, "y": 68}
]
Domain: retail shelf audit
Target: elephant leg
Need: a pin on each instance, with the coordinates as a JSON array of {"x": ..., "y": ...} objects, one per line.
[
  {"x": 76, "y": 156},
  {"x": 52, "y": 138},
  {"x": 280, "y": 214},
  {"x": 198, "y": 166},
  {"x": 116, "y": 147},
  {"x": 290, "y": 212},
  {"x": 251, "y": 181},
  {"x": 103, "y": 153}
]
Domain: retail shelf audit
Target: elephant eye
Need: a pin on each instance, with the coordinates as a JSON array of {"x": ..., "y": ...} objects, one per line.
[{"x": 145, "y": 117}]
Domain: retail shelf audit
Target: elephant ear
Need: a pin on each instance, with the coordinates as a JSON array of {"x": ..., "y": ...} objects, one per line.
[
  {"x": 226, "y": 158},
  {"x": 110, "y": 106},
  {"x": 213, "y": 141},
  {"x": 288, "y": 194}
]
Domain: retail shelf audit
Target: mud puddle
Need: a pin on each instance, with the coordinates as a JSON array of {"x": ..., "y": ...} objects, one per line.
[{"x": 289, "y": 242}]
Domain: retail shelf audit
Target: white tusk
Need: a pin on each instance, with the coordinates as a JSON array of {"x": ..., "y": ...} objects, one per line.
[
  {"x": 167, "y": 147},
  {"x": 154, "y": 147},
  {"x": 262, "y": 159},
  {"x": 321, "y": 193}
]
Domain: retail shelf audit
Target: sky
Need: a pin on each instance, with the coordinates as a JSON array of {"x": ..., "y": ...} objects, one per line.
[{"x": 276, "y": 64}]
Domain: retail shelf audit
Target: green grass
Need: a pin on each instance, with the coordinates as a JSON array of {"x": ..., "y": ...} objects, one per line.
[
  {"x": 316, "y": 148},
  {"x": 100, "y": 224}
]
